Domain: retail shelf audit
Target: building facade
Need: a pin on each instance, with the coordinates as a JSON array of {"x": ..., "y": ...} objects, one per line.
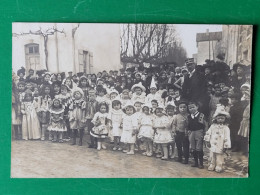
[
  {"x": 237, "y": 44},
  {"x": 72, "y": 47},
  {"x": 208, "y": 45}
]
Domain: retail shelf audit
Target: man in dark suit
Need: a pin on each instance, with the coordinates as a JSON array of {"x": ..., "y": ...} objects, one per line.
[{"x": 194, "y": 86}]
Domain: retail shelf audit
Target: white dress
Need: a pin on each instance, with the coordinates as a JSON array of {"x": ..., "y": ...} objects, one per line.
[
  {"x": 162, "y": 135},
  {"x": 100, "y": 131},
  {"x": 129, "y": 124},
  {"x": 146, "y": 127},
  {"x": 116, "y": 117}
]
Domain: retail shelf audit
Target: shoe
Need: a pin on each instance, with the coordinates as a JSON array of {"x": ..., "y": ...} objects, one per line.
[
  {"x": 119, "y": 149},
  {"x": 103, "y": 146},
  {"x": 159, "y": 156},
  {"x": 164, "y": 158},
  {"x": 125, "y": 151},
  {"x": 185, "y": 162},
  {"x": 61, "y": 141},
  {"x": 200, "y": 166},
  {"x": 130, "y": 153},
  {"x": 149, "y": 154},
  {"x": 144, "y": 153},
  {"x": 114, "y": 148}
]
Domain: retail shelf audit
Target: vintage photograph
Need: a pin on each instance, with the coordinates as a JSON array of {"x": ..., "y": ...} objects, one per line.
[{"x": 100, "y": 100}]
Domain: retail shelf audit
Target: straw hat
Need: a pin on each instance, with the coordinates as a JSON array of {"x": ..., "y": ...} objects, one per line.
[{"x": 138, "y": 85}]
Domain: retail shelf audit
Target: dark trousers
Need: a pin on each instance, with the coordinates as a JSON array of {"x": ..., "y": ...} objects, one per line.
[
  {"x": 93, "y": 140},
  {"x": 182, "y": 144}
]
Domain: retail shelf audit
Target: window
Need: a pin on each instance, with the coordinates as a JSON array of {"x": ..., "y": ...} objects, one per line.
[
  {"x": 32, "y": 56},
  {"x": 85, "y": 61}
]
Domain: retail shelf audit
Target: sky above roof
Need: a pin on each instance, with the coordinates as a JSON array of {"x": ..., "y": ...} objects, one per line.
[{"x": 187, "y": 34}]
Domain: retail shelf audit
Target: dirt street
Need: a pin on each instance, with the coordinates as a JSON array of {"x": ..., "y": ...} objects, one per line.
[{"x": 43, "y": 159}]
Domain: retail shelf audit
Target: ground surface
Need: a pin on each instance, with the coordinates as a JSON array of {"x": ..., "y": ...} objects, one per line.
[{"x": 43, "y": 159}]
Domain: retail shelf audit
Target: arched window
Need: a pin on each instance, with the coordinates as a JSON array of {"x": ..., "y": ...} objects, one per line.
[{"x": 32, "y": 56}]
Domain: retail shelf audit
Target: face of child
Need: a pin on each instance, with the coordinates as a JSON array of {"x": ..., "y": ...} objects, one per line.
[
  {"x": 47, "y": 90},
  {"x": 129, "y": 110},
  {"x": 28, "y": 98},
  {"x": 29, "y": 86},
  {"x": 21, "y": 87},
  {"x": 233, "y": 101},
  {"x": 21, "y": 75},
  {"x": 137, "y": 106},
  {"x": 217, "y": 91},
  {"x": 64, "y": 91},
  {"x": 170, "y": 111},
  {"x": 47, "y": 78},
  {"x": 159, "y": 112},
  {"x": 220, "y": 119},
  {"x": 222, "y": 85},
  {"x": 56, "y": 88},
  {"x": 100, "y": 82},
  {"x": 207, "y": 70},
  {"x": 153, "y": 90},
  {"x": 125, "y": 95},
  {"x": 84, "y": 83},
  {"x": 56, "y": 103},
  {"x": 193, "y": 108},
  {"x": 31, "y": 72},
  {"x": 239, "y": 70},
  {"x": 36, "y": 91},
  {"x": 243, "y": 89},
  {"x": 163, "y": 76},
  {"x": 154, "y": 104},
  {"x": 177, "y": 93},
  {"x": 138, "y": 91},
  {"x": 117, "y": 106},
  {"x": 53, "y": 78},
  {"x": 146, "y": 110},
  {"x": 92, "y": 97},
  {"x": 183, "y": 108},
  {"x": 171, "y": 92},
  {"x": 77, "y": 95},
  {"x": 68, "y": 82},
  {"x": 103, "y": 109},
  {"x": 101, "y": 93},
  {"x": 138, "y": 77},
  {"x": 59, "y": 77},
  {"x": 113, "y": 96}
]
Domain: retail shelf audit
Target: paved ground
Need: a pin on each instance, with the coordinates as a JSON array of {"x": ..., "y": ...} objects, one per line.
[{"x": 43, "y": 159}]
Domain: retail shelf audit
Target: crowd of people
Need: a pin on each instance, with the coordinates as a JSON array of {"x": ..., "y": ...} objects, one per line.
[{"x": 162, "y": 108}]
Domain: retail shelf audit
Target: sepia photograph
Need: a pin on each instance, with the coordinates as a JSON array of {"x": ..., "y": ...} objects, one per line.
[{"x": 110, "y": 100}]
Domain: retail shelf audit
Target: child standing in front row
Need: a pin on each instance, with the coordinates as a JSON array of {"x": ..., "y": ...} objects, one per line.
[
  {"x": 146, "y": 132},
  {"x": 170, "y": 111},
  {"x": 57, "y": 124},
  {"x": 30, "y": 122},
  {"x": 115, "y": 116},
  {"x": 100, "y": 121},
  {"x": 196, "y": 128},
  {"x": 218, "y": 139},
  {"x": 130, "y": 125},
  {"x": 162, "y": 132},
  {"x": 179, "y": 128},
  {"x": 77, "y": 115}
]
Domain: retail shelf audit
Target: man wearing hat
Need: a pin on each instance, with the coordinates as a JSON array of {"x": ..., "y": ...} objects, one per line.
[{"x": 194, "y": 85}]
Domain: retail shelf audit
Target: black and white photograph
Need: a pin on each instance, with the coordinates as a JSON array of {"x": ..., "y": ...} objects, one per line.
[{"x": 110, "y": 100}]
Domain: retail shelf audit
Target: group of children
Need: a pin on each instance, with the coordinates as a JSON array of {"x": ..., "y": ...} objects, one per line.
[{"x": 109, "y": 107}]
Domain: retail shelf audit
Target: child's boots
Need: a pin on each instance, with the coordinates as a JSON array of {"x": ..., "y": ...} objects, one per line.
[
  {"x": 200, "y": 156},
  {"x": 195, "y": 156},
  {"x": 81, "y": 132},
  {"x": 74, "y": 135}
]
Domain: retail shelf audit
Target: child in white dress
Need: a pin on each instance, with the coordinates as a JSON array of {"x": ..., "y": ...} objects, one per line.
[
  {"x": 130, "y": 126},
  {"x": 100, "y": 129},
  {"x": 30, "y": 122},
  {"x": 162, "y": 132},
  {"x": 146, "y": 132},
  {"x": 115, "y": 117}
]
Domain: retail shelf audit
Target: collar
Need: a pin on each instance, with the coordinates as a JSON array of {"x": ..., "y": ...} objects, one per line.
[
  {"x": 194, "y": 115},
  {"x": 191, "y": 73}
]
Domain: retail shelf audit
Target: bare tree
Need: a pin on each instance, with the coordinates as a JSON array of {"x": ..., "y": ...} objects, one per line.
[
  {"x": 147, "y": 43},
  {"x": 45, "y": 34}
]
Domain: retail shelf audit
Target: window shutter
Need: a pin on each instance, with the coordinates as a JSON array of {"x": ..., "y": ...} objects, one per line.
[
  {"x": 80, "y": 51},
  {"x": 91, "y": 66}
]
